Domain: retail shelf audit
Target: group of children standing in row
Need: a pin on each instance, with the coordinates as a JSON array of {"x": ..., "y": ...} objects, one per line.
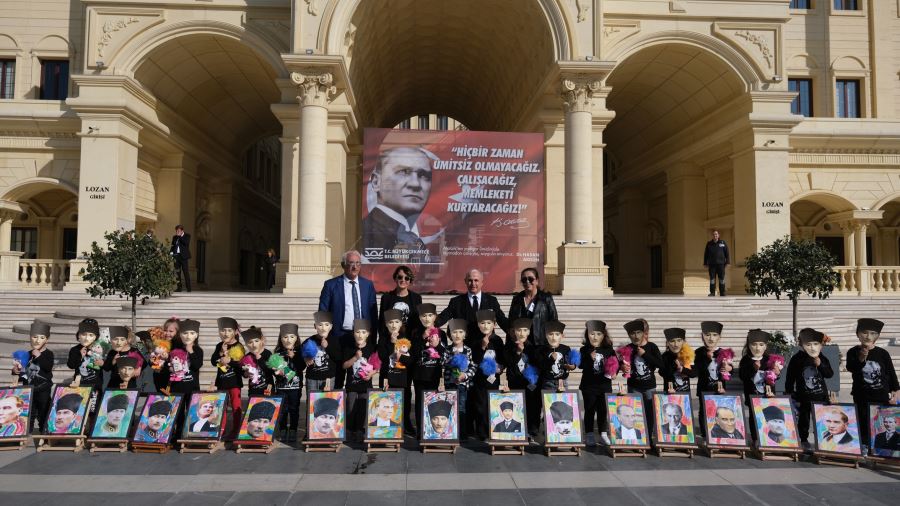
[{"x": 471, "y": 365}]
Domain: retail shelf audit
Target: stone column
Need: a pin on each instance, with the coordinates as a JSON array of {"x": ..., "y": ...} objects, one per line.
[
  {"x": 686, "y": 235},
  {"x": 849, "y": 232},
  {"x": 581, "y": 257},
  {"x": 289, "y": 116},
  {"x": 310, "y": 253},
  {"x": 9, "y": 260}
]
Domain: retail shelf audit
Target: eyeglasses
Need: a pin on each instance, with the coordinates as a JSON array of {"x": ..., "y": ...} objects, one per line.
[
  {"x": 354, "y": 263},
  {"x": 527, "y": 280},
  {"x": 402, "y": 278}
]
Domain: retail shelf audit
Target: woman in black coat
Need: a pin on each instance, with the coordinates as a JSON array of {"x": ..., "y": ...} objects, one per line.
[
  {"x": 534, "y": 303},
  {"x": 402, "y": 299}
]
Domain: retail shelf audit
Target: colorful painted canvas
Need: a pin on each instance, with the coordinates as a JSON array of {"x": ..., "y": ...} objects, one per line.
[
  {"x": 775, "y": 423},
  {"x": 326, "y": 416},
  {"x": 68, "y": 410},
  {"x": 384, "y": 414},
  {"x": 205, "y": 414},
  {"x": 260, "y": 419},
  {"x": 506, "y": 412},
  {"x": 562, "y": 417},
  {"x": 674, "y": 419},
  {"x": 115, "y": 414},
  {"x": 627, "y": 425},
  {"x": 440, "y": 416},
  {"x": 157, "y": 419},
  {"x": 723, "y": 416},
  {"x": 884, "y": 423},
  {"x": 15, "y": 412},
  {"x": 837, "y": 428}
]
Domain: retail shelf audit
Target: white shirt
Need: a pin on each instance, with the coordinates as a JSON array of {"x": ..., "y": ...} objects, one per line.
[
  {"x": 472, "y": 297},
  {"x": 348, "y": 302},
  {"x": 382, "y": 422},
  {"x": 198, "y": 425},
  {"x": 629, "y": 433}
]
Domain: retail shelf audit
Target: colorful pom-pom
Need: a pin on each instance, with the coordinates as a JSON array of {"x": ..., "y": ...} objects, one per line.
[
  {"x": 531, "y": 374},
  {"x": 22, "y": 357},
  {"x": 489, "y": 366},
  {"x": 459, "y": 362},
  {"x": 686, "y": 356},
  {"x": 610, "y": 366},
  {"x": 574, "y": 357},
  {"x": 374, "y": 361},
  {"x": 309, "y": 349}
]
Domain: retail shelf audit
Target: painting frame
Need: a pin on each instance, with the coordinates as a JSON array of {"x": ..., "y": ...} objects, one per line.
[
  {"x": 636, "y": 402},
  {"x": 394, "y": 431},
  {"x": 498, "y": 434},
  {"x": 127, "y": 420},
  {"x": 256, "y": 409},
  {"x": 193, "y": 407},
  {"x": 10, "y": 431},
  {"x": 553, "y": 398},
  {"x": 712, "y": 403},
  {"x": 848, "y": 417},
  {"x": 682, "y": 401},
  {"x": 80, "y": 416},
  {"x": 431, "y": 397},
  {"x": 340, "y": 414},
  {"x": 167, "y": 426},
  {"x": 760, "y": 405},
  {"x": 875, "y": 411}
]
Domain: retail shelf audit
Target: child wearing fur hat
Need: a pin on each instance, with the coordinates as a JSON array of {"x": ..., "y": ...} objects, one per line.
[
  {"x": 254, "y": 365},
  {"x": 185, "y": 359},
  {"x": 752, "y": 368},
  {"x": 459, "y": 368},
  {"x": 806, "y": 374},
  {"x": 487, "y": 353},
  {"x": 226, "y": 358},
  {"x": 396, "y": 361},
  {"x": 522, "y": 372},
  {"x": 644, "y": 359},
  {"x": 599, "y": 365},
  {"x": 289, "y": 382},
  {"x": 360, "y": 365},
  {"x": 79, "y": 358},
  {"x": 678, "y": 362},
  {"x": 553, "y": 358},
  {"x": 126, "y": 368},
  {"x": 322, "y": 353},
  {"x": 709, "y": 379},
  {"x": 874, "y": 376},
  {"x": 428, "y": 353},
  {"x": 120, "y": 341},
  {"x": 38, "y": 372}
]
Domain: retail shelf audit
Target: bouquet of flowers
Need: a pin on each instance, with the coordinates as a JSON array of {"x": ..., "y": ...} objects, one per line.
[{"x": 781, "y": 342}]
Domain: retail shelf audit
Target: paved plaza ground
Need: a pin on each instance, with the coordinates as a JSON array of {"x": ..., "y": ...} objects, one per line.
[{"x": 470, "y": 477}]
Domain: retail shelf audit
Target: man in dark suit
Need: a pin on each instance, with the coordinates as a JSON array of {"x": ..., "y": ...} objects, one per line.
[
  {"x": 507, "y": 424},
  {"x": 673, "y": 426},
  {"x": 890, "y": 438},
  {"x": 384, "y": 414},
  {"x": 836, "y": 423},
  {"x": 349, "y": 297},
  {"x": 181, "y": 252},
  {"x": 467, "y": 304},
  {"x": 626, "y": 431},
  {"x": 726, "y": 425}
]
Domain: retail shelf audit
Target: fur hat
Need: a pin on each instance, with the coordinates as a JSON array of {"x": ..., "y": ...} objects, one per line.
[
  {"x": 325, "y": 406},
  {"x": 458, "y": 324},
  {"x": 809, "y": 335},
  {"x": 522, "y": 323},
  {"x": 159, "y": 408},
  {"x": 69, "y": 402},
  {"x": 865, "y": 324},
  {"x": 89, "y": 325},
  {"x": 262, "y": 409},
  {"x": 288, "y": 329},
  {"x": 322, "y": 317},
  {"x": 674, "y": 333},
  {"x": 758, "y": 336},
  {"x": 118, "y": 401},
  {"x": 361, "y": 324},
  {"x": 554, "y": 326},
  {"x": 483, "y": 315},
  {"x": 773, "y": 413},
  {"x": 439, "y": 408},
  {"x": 188, "y": 325},
  {"x": 40, "y": 329},
  {"x": 227, "y": 323},
  {"x": 426, "y": 308},
  {"x": 560, "y": 411},
  {"x": 710, "y": 326},
  {"x": 393, "y": 314},
  {"x": 251, "y": 334},
  {"x": 634, "y": 326},
  {"x": 118, "y": 331},
  {"x": 595, "y": 326}
]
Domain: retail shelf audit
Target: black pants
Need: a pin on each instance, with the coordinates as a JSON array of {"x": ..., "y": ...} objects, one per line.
[
  {"x": 594, "y": 408},
  {"x": 290, "y": 411},
  {"x": 41, "y": 401},
  {"x": 862, "y": 413},
  {"x": 533, "y": 406},
  {"x": 804, "y": 413},
  {"x": 478, "y": 411},
  {"x": 356, "y": 407},
  {"x": 181, "y": 267},
  {"x": 717, "y": 270}
]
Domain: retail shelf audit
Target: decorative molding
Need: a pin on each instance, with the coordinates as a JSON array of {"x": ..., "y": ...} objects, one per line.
[
  {"x": 759, "y": 42},
  {"x": 615, "y": 32},
  {"x": 110, "y": 29},
  {"x": 349, "y": 39},
  {"x": 314, "y": 88},
  {"x": 583, "y": 7},
  {"x": 844, "y": 157},
  {"x": 578, "y": 93},
  {"x": 312, "y": 7},
  {"x": 676, "y": 6}
]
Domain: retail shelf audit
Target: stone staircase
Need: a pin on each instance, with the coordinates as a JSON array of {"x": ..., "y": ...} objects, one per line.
[{"x": 836, "y": 317}]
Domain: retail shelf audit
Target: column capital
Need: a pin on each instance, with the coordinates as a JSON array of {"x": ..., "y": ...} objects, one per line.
[
  {"x": 578, "y": 92},
  {"x": 314, "y": 87},
  {"x": 9, "y": 210},
  {"x": 854, "y": 218}
]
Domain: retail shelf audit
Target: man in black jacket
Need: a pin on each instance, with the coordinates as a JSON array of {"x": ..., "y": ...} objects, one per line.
[
  {"x": 716, "y": 258},
  {"x": 467, "y": 304},
  {"x": 181, "y": 252}
]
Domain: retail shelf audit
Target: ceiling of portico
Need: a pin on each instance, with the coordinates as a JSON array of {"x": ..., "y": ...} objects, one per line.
[
  {"x": 216, "y": 84},
  {"x": 661, "y": 91},
  {"x": 479, "y": 61}
]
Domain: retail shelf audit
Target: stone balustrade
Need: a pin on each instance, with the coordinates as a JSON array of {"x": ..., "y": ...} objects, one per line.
[
  {"x": 43, "y": 273},
  {"x": 868, "y": 280}
]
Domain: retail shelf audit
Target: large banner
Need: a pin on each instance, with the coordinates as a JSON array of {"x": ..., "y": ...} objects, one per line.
[{"x": 444, "y": 202}]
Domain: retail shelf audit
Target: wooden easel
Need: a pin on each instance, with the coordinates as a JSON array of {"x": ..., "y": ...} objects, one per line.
[
  {"x": 108, "y": 445},
  {"x": 383, "y": 445},
  {"x": 199, "y": 445},
  {"x": 250, "y": 446},
  {"x": 13, "y": 443},
  {"x": 438, "y": 447},
  {"x": 499, "y": 447},
  {"x": 59, "y": 442},
  {"x": 676, "y": 450},
  {"x": 150, "y": 448},
  {"x": 837, "y": 459},
  {"x": 563, "y": 449},
  {"x": 616, "y": 451},
  {"x": 330, "y": 446},
  {"x": 891, "y": 464},
  {"x": 727, "y": 452},
  {"x": 779, "y": 454}
]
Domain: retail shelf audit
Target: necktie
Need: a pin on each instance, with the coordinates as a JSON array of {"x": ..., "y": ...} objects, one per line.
[
  {"x": 475, "y": 302},
  {"x": 829, "y": 436},
  {"x": 356, "y": 311}
]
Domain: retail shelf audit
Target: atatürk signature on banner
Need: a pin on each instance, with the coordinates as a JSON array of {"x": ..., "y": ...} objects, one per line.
[{"x": 514, "y": 223}]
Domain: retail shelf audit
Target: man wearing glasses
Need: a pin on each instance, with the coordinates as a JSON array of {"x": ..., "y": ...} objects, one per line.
[
  {"x": 534, "y": 304},
  {"x": 467, "y": 304},
  {"x": 401, "y": 182},
  {"x": 348, "y": 297}
]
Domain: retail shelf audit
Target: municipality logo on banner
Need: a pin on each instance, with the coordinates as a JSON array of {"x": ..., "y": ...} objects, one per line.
[{"x": 374, "y": 253}]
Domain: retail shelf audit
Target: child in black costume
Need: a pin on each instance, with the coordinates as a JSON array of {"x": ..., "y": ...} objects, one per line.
[
  {"x": 806, "y": 374},
  {"x": 596, "y": 350},
  {"x": 874, "y": 376}
]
